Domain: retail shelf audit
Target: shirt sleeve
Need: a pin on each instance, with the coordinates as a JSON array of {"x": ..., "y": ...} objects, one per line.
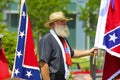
[{"x": 45, "y": 49}]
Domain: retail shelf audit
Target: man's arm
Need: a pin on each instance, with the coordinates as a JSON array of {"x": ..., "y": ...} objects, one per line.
[
  {"x": 44, "y": 70},
  {"x": 82, "y": 53}
]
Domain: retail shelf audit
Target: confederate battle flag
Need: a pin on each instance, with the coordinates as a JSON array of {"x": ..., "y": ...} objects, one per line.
[
  {"x": 26, "y": 64},
  {"x": 108, "y": 37}
]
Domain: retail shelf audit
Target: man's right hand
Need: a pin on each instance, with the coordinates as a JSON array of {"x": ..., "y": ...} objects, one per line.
[{"x": 44, "y": 70}]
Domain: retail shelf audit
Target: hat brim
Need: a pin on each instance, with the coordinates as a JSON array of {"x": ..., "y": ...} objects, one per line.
[{"x": 47, "y": 24}]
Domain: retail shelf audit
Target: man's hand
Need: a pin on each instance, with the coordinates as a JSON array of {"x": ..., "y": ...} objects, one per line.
[
  {"x": 93, "y": 51},
  {"x": 44, "y": 70}
]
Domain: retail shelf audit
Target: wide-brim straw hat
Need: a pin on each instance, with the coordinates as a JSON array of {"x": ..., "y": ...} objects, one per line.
[{"x": 55, "y": 17}]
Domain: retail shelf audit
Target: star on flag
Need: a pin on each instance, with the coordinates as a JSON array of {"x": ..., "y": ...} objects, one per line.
[
  {"x": 24, "y": 67},
  {"x": 113, "y": 37}
]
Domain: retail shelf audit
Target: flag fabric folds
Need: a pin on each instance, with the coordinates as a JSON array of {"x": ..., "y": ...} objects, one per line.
[
  {"x": 4, "y": 69},
  {"x": 108, "y": 28},
  {"x": 101, "y": 23},
  {"x": 111, "y": 69},
  {"x": 108, "y": 37},
  {"x": 111, "y": 39},
  {"x": 26, "y": 64}
]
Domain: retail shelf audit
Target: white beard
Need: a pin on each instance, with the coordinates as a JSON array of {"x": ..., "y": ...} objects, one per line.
[{"x": 62, "y": 31}]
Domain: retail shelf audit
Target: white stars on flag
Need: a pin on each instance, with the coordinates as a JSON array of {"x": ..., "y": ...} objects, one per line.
[
  {"x": 24, "y": 67},
  {"x": 113, "y": 37},
  {"x": 21, "y": 34},
  {"x": 19, "y": 54},
  {"x": 16, "y": 71},
  {"x": 28, "y": 74},
  {"x": 23, "y": 14}
]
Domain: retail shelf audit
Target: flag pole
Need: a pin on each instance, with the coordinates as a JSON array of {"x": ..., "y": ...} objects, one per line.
[
  {"x": 93, "y": 66},
  {"x": 92, "y": 72},
  {"x": 20, "y": 10}
]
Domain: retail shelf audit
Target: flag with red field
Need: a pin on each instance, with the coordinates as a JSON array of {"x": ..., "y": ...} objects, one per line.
[
  {"x": 26, "y": 64},
  {"x": 108, "y": 37},
  {"x": 4, "y": 69}
]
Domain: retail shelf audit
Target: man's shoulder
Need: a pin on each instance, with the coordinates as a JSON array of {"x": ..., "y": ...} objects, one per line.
[{"x": 46, "y": 36}]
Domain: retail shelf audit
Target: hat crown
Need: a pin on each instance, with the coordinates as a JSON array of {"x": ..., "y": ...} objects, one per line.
[{"x": 56, "y": 16}]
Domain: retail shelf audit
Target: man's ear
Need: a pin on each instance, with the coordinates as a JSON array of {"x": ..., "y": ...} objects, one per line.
[{"x": 52, "y": 25}]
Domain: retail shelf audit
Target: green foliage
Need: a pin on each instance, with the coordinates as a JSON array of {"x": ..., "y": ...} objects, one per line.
[
  {"x": 9, "y": 38},
  {"x": 84, "y": 63},
  {"x": 89, "y": 14},
  {"x": 39, "y": 11},
  {"x": 3, "y": 5},
  {"x": 9, "y": 44}
]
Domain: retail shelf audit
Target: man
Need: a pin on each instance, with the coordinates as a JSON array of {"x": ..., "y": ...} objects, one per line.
[{"x": 55, "y": 51}]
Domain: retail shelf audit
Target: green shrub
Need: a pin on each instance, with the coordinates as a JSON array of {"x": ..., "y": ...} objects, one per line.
[{"x": 9, "y": 44}]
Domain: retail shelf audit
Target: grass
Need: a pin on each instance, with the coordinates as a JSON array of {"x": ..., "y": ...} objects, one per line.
[{"x": 84, "y": 62}]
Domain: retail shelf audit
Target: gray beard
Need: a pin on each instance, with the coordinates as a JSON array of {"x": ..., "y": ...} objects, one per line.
[{"x": 62, "y": 31}]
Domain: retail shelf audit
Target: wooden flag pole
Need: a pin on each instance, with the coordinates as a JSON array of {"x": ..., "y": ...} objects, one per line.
[
  {"x": 93, "y": 65},
  {"x": 92, "y": 72}
]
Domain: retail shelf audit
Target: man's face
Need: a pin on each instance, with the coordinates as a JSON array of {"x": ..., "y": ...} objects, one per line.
[{"x": 61, "y": 28}]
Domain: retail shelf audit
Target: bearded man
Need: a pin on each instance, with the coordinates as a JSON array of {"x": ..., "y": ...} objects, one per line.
[{"x": 55, "y": 52}]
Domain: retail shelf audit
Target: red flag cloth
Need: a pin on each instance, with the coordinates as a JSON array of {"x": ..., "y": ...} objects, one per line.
[
  {"x": 4, "y": 69},
  {"x": 112, "y": 29},
  {"x": 67, "y": 52},
  {"x": 111, "y": 67},
  {"x": 26, "y": 64},
  {"x": 113, "y": 16},
  {"x": 30, "y": 51}
]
